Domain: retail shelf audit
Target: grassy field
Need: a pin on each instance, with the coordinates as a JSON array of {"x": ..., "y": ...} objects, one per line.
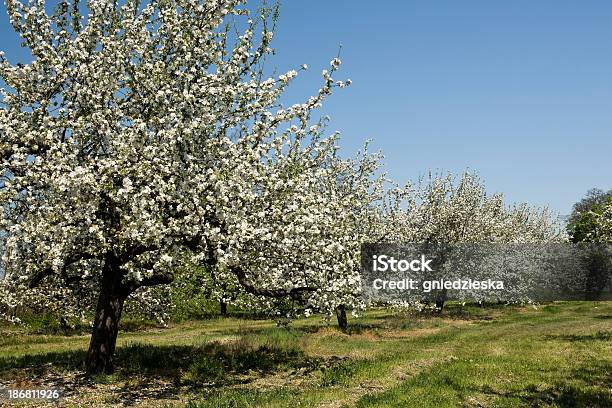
[{"x": 558, "y": 355}]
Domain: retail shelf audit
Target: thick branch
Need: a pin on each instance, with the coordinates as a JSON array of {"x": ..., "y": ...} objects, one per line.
[
  {"x": 40, "y": 275},
  {"x": 276, "y": 293}
]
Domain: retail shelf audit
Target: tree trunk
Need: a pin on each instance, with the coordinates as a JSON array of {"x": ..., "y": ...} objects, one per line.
[
  {"x": 341, "y": 316},
  {"x": 106, "y": 323},
  {"x": 223, "y": 307},
  {"x": 440, "y": 299}
]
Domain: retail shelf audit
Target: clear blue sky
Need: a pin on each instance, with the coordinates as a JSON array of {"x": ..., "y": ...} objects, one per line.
[{"x": 519, "y": 91}]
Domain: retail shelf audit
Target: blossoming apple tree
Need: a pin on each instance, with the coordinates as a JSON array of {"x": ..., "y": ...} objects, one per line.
[
  {"x": 146, "y": 134},
  {"x": 447, "y": 211}
]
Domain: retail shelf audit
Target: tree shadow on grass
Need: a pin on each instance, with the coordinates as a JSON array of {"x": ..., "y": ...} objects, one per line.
[
  {"x": 211, "y": 362},
  {"x": 587, "y": 385},
  {"x": 561, "y": 395},
  {"x": 241, "y": 331},
  {"x": 596, "y": 373},
  {"x": 54, "y": 370},
  {"x": 592, "y": 392},
  {"x": 599, "y": 336},
  {"x": 144, "y": 371},
  {"x": 64, "y": 360}
]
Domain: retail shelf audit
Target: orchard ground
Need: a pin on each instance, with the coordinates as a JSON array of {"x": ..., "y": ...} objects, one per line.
[{"x": 556, "y": 355}]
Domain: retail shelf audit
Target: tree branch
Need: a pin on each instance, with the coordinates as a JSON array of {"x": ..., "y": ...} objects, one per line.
[
  {"x": 276, "y": 293},
  {"x": 40, "y": 275}
]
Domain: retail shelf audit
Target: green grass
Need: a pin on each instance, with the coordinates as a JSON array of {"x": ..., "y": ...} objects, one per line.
[{"x": 558, "y": 355}]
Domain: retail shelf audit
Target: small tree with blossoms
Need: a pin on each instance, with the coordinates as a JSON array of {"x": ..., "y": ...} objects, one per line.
[
  {"x": 447, "y": 211},
  {"x": 148, "y": 135}
]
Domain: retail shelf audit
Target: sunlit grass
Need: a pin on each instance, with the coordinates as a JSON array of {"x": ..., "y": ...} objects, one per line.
[{"x": 554, "y": 355}]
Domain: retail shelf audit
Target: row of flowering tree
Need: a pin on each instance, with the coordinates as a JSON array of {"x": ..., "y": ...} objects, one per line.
[
  {"x": 458, "y": 213},
  {"x": 144, "y": 136}
]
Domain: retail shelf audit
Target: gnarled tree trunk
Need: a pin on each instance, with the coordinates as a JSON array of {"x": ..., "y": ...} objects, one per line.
[
  {"x": 106, "y": 323},
  {"x": 113, "y": 292}
]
